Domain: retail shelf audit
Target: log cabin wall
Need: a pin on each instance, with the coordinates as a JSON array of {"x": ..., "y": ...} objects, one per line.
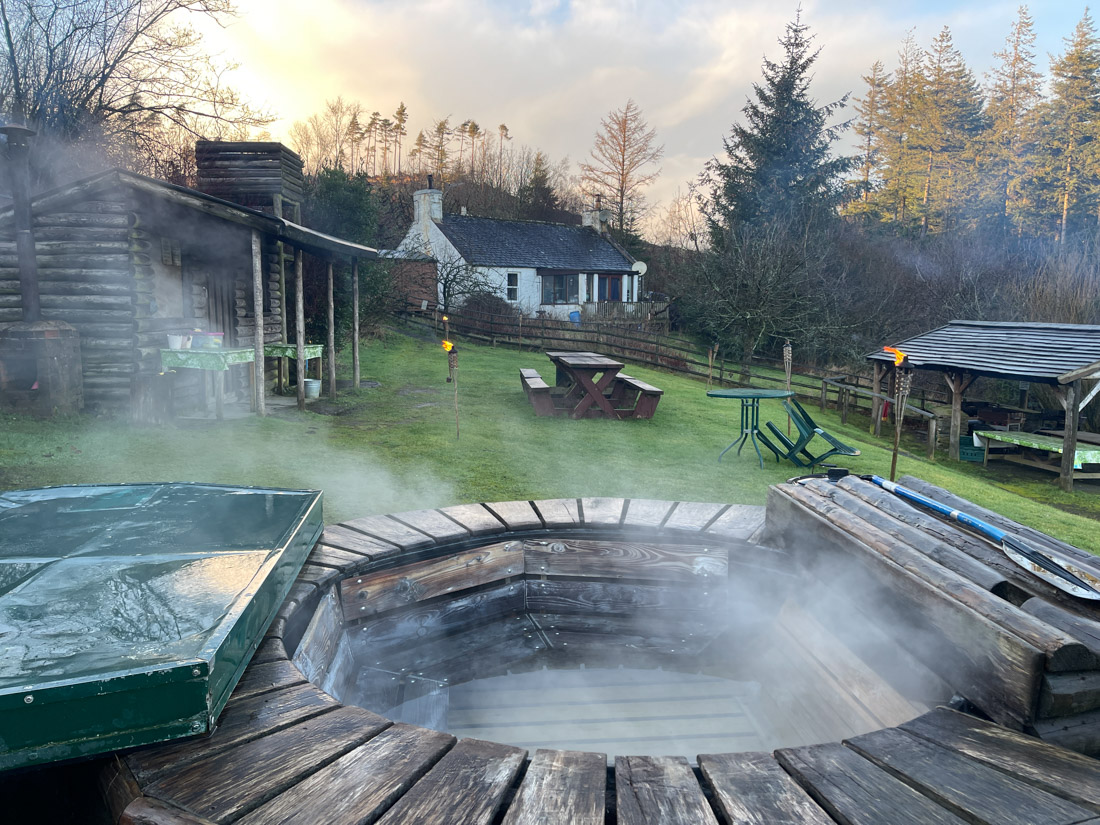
[
  {"x": 261, "y": 175},
  {"x": 87, "y": 279}
]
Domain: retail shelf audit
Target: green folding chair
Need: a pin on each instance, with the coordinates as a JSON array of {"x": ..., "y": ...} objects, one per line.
[{"x": 807, "y": 429}]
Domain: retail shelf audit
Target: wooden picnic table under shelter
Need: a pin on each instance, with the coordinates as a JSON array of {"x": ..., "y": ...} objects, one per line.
[{"x": 1065, "y": 357}]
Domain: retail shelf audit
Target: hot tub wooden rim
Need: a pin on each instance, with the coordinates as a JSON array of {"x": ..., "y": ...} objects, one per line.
[{"x": 209, "y": 781}]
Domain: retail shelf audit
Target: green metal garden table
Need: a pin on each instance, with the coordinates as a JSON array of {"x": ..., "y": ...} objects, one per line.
[
  {"x": 750, "y": 414},
  {"x": 217, "y": 361}
]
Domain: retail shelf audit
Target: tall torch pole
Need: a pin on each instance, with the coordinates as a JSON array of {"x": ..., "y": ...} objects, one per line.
[{"x": 904, "y": 385}]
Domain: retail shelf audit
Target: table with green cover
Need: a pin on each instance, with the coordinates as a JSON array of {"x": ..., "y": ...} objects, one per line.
[
  {"x": 1040, "y": 445},
  {"x": 312, "y": 351},
  {"x": 212, "y": 360},
  {"x": 750, "y": 414}
]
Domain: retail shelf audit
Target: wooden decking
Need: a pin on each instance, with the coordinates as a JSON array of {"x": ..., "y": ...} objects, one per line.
[{"x": 287, "y": 752}]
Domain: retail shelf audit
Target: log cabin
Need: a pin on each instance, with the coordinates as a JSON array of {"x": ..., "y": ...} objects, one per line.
[{"x": 126, "y": 260}]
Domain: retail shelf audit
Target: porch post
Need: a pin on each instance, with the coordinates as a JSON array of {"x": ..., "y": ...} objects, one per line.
[
  {"x": 355, "y": 323},
  {"x": 284, "y": 372},
  {"x": 1069, "y": 443},
  {"x": 331, "y": 337},
  {"x": 958, "y": 382},
  {"x": 258, "y": 328},
  {"x": 300, "y": 329}
]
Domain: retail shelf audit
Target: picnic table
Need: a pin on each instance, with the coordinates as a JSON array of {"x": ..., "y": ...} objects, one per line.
[
  {"x": 589, "y": 383},
  {"x": 750, "y": 414},
  {"x": 217, "y": 361},
  {"x": 1038, "y": 450}
]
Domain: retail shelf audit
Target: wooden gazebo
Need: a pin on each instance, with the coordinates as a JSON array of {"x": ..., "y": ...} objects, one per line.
[{"x": 1063, "y": 356}]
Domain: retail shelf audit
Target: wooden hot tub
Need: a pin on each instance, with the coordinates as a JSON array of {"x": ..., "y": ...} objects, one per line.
[{"x": 603, "y": 581}]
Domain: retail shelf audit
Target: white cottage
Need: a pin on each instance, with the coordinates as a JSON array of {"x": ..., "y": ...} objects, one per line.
[{"x": 542, "y": 268}]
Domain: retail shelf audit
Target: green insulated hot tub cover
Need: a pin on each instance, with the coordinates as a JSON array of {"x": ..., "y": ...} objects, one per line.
[{"x": 128, "y": 612}]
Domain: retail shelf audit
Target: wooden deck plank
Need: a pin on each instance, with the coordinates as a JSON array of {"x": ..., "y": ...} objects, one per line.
[
  {"x": 659, "y": 789},
  {"x": 466, "y": 787},
  {"x": 516, "y": 515},
  {"x": 854, "y": 791},
  {"x": 329, "y": 556},
  {"x": 337, "y": 535},
  {"x": 558, "y": 512},
  {"x": 244, "y": 720},
  {"x": 740, "y": 521},
  {"x": 693, "y": 515},
  {"x": 646, "y": 512},
  {"x": 148, "y": 811},
  {"x": 602, "y": 512},
  {"x": 388, "y": 529},
  {"x": 971, "y": 789},
  {"x": 475, "y": 518},
  {"x": 361, "y": 785},
  {"x": 623, "y": 559},
  {"x": 234, "y": 782},
  {"x": 751, "y": 789},
  {"x": 561, "y": 787},
  {"x": 373, "y": 593},
  {"x": 267, "y": 676},
  {"x": 1060, "y": 771},
  {"x": 434, "y": 523}
]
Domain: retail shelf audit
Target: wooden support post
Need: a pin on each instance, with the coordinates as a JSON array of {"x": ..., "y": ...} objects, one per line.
[
  {"x": 355, "y": 323},
  {"x": 258, "y": 328},
  {"x": 300, "y": 329},
  {"x": 284, "y": 369},
  {"x": 824, "y": 394},
  {"x": 1069, "y": 442},
  {"x": 933, "y": 434},
  {"x": 876, "y": 402},
  {"x": 331, "y": 337},
  {"x": 958, "y": 382}
]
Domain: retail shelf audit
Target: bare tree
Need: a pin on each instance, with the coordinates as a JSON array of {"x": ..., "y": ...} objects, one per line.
[
  {"x": 111, "y": 70},
  {"x": 625, "y": 146}
]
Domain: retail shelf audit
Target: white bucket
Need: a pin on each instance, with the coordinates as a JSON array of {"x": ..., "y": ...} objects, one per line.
[
  {"x": 179, "y": 341},
  {"x": 313, "y": 387}
]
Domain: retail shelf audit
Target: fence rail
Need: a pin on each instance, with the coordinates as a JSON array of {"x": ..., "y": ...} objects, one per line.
[{"x": 656, "y": 348}]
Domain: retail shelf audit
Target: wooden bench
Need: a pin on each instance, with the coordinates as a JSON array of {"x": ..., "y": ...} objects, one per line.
[
  {"x": 634, "y": 396},
  {"x": 538, "y": 391}
]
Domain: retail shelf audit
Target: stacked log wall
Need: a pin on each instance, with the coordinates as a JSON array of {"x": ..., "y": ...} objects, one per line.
[{"x": 86, "y": 261}]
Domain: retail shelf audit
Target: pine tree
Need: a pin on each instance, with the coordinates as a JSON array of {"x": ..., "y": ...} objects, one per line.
[
  {"x": 778, "y": 164},
  {"x": 400, "y": 118},
  {"x": 870, "y": 109},
  {"x": 537, "y": 198},
  {"x": 1014, "y": 93},
  {"x": 1069, "y": 122},
  {"x": 902, "y": 97}
]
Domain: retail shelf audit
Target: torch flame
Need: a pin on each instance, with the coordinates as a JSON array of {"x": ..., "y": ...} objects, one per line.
[
  {"x": 899, "y": 356},
  {"x": 448, "y": 346},
  {"x": 445, "y": 318}
]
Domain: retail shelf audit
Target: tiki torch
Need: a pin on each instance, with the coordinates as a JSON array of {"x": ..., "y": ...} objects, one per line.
[
  {"x": 452, "y": 374},
  {"x": 904, "y": 385},
  {"x": 788, "y": 361}
]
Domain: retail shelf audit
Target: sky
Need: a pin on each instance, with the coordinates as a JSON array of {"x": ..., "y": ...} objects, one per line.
[{"x": 551, "y": 69}]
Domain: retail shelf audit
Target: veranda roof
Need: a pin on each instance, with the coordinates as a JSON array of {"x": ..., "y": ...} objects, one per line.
[{"x": 1042, "y": 353}]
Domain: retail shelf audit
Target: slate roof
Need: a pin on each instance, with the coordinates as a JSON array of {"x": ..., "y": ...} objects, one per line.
[
  {"x": 1027, "y": 351},
  {"x": 492, "y": 242}
]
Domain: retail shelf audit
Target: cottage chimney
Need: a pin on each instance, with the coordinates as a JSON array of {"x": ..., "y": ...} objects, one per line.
[
  {"x": 598, "y": 218},
  {"x": 427, "y": 205}
]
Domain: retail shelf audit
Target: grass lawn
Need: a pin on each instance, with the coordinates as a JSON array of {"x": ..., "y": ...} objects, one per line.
[{"x": 394, "y": 448}]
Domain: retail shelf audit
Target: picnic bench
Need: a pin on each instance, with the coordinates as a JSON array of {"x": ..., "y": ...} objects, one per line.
[
  {"x": 1039, "y": 450},
  {"x": 588, "y": 384}
]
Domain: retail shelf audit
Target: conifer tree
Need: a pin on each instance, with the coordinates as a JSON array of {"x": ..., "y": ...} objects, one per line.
[
  {"x": 1069, "y": 123},
  {"x": 901, "y": 116},
  {"x": 870, "y": 109}
]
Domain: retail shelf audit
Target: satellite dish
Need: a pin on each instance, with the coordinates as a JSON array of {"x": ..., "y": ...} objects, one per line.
[{"x": 640, "y": 267}]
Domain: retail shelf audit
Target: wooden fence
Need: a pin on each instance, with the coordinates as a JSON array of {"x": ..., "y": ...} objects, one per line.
[{"x": 846, "y": 392}]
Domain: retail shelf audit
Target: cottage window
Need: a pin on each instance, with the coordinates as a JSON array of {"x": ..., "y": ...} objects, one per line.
[
  {"x": 513, "y": 286},
  {"x": 559, "y": 289}
]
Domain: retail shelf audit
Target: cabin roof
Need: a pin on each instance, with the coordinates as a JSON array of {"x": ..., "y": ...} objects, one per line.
[
  {"x": 537, "y": 244},
  {"x": 314, "y": 242},
  {"x": 1040, "y": 352}
]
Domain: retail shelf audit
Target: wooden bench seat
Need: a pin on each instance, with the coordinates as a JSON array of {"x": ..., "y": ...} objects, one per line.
[
  {"x": 538, "y": 391},
  {"x": 631, "y": 393}
]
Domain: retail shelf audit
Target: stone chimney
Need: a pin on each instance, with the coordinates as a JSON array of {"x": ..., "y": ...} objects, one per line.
[
  {"x": 598, "y": 219},
  {"x": 427, "y": 207}
]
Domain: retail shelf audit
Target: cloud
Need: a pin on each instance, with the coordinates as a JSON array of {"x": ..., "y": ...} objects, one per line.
[{"x": 551, "y": 69}]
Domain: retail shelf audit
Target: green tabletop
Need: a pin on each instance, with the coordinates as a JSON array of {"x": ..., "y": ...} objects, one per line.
[
  {"x": 205, "y": 359},
  {"x": 291, "y": 351},
  {"x": 749, "y": 392},
  {"x": 1087, "y": 454}
]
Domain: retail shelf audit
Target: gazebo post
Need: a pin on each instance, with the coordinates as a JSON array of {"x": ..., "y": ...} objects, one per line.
[
  {"x": 1070, "y": 396},
  {"x": 958, "y": 382}
]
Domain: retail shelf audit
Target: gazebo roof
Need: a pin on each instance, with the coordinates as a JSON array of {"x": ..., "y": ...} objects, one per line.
[{"x": 1042, "y": 353}]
